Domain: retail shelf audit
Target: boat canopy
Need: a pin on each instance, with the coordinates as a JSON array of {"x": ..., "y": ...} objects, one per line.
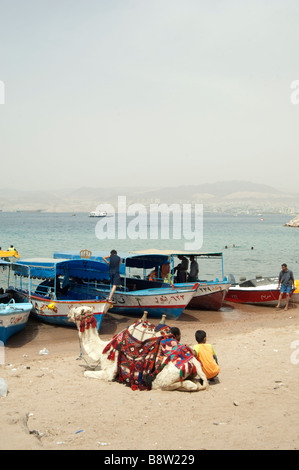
[
  {"x": 24, "y": 269},
  {"x": 129, "y": 259},
  {"x": 47, "y": 268},
  {"x": 179, "y": 253}
]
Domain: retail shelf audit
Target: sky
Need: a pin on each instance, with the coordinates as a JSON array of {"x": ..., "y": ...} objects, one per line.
[{"x": 151, "y": 93}]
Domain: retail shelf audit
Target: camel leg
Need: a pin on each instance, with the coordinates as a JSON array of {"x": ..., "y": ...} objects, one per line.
[
  {"x": 183, "y": 386},
  {"x": 96, "y": 374}
]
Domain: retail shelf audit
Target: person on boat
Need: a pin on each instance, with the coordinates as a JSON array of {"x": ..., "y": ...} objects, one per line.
[
  {"x": 205, "y": 353},
  {"x": 286, "y": 283},
  {"x": 165, "y": 271},
  {"x": 114, "y": 265},
  {"x": 193, "y": 275},
  {"x": 182, "y": 269},
  {"x": 11, "y": 248},
  {"x": 154, "y": 275}
]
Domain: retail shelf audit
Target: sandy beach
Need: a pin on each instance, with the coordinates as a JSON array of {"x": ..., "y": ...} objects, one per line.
[{"x": 50, "y": 405}]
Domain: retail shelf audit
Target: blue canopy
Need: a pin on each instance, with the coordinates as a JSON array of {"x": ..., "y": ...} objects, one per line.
[
  {"x": 49, "y": 268},
  {"x": 24, "y": 269},
  {"x": 130, "y": 260}
]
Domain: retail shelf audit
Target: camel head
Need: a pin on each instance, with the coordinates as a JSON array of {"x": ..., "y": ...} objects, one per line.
[{"x": 82, "y": 314}]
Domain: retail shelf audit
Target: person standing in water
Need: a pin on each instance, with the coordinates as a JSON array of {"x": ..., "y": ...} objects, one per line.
[{"x": 286, "y": 283}]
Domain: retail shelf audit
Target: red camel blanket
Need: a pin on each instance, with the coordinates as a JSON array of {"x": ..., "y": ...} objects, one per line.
[{"x": 140, "y": 361}]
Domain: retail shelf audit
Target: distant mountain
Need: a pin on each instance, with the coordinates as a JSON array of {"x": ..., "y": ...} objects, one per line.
[
  {"x": 224, "y": 188},
  {"x": 207, "y": 190},
  {"x": 215, "y": 195}
]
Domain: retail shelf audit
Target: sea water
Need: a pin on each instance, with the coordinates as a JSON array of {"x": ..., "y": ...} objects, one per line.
[{"x": 250, "y": 244}]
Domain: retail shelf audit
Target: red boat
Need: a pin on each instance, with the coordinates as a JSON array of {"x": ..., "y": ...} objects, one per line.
[
  {"x": 260, "y": 291},
  {"x": 209, "y": 295}
]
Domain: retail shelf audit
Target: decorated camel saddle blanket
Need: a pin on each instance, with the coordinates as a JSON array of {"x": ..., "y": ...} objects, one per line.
[{"x": 139, "y": 361}]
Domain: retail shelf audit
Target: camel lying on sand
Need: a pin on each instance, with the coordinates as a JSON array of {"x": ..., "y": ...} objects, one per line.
[{"x": 177, "y": 368}]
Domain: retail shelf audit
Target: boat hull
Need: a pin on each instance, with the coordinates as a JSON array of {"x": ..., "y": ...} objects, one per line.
[
  {"x": 208, "y": 296},
  {"x": 156, "y": 303},
  {"x": 55, "y": 312},
  {"x": 13, "y": 318},
  {"x": 255, "y": 296}
]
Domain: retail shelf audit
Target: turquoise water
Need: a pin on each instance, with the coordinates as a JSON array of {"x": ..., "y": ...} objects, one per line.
[{"x": 41, "y": 234}]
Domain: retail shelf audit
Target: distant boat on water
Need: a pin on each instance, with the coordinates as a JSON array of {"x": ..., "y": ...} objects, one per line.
[
  {"x": 99, "y": 214},
  {"x": 13, "y": 253}
]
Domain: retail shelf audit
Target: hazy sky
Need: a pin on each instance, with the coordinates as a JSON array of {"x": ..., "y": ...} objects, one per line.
[{"x": 148, "y": 92}]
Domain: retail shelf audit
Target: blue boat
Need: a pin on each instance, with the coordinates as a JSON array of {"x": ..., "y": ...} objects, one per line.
[
  {"x": 137, "y": 293},
  {"x": 56, "y": 286},
  {"x": 136, "y": 266},
  {"x": 14, "y": 313}
]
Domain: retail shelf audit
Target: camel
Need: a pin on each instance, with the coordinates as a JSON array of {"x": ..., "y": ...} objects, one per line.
[{"x": 169, "y": 376}]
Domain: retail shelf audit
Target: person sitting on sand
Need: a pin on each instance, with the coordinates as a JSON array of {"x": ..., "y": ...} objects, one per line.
[
  {"x": 286, "y": 283},
  {"x": 206, "y": 355},
  {"x": 176, "y": 333}
]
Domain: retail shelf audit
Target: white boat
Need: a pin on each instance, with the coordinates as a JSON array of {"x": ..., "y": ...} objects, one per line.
[
  {"x": 99, "y": 214},
  {"x": 14, "y": 312}
]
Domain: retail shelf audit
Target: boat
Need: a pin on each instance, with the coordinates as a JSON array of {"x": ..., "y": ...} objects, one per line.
[
  {"x": 5, "y": 254},
  {"x": 137, "y": 293},
  {"x": 52, "y": 297},
  {"x": 210, "y": 294},
  {"x": 98, "y": 214},
  {"x": 14, "y": 312},
  {"x": 295, "y": 296},
  {"x": 258, "y": 291},
  {"x": 207, "y": 295}
]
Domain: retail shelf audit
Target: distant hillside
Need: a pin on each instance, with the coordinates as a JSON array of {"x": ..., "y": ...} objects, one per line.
[{"x": 215, "y": 196}]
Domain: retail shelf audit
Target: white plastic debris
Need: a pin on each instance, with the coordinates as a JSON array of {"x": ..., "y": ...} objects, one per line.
[
  {"x": 43, "y": 352},
  {"x": 3, "y": 388}
]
